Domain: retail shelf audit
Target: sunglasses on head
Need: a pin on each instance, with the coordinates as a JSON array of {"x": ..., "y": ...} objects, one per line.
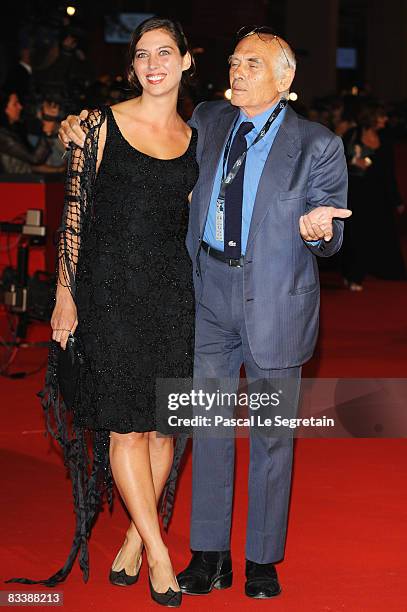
[{"x": 259, "y": 30}]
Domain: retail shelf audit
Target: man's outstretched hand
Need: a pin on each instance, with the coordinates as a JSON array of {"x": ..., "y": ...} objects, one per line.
[
  {"x": 71, "y": 131},
  {"x": 317, "y": 224}
]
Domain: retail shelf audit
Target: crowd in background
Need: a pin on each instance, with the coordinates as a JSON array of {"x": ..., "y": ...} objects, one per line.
[
  {"x": 53, "y": 78},
  {"x": 50, "y": 78}
]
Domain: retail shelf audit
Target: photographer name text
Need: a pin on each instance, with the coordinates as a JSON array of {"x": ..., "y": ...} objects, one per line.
[{"x": 254, "y": 420}]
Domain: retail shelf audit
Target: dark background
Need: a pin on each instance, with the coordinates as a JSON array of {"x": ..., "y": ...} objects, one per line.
[{"x": 376, "y": 28}]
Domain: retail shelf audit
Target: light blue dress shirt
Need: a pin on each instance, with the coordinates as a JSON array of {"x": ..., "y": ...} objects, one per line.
[{"x": 255, "y": 160}]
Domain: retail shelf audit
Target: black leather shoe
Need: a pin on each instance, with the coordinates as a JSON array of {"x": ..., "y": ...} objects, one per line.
[
  {"x": 207, "y": 570},
  {"x": 262, "y": 581},
  {"x": 121, "y": 578},
  {"x": 171, "y": 599}
]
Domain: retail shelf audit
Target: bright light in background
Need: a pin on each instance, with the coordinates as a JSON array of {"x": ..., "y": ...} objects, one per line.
[
  {"x": 293, "y": 96},
  {"x": 71, "y": 10},
  {"x": 228, "y": 94},
  {"x": 355, "y": 90}
]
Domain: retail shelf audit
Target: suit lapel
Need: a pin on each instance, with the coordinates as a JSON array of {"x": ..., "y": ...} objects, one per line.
[
  {"x": 216, "y": 137},
  {"x": 277, "y": 170}
]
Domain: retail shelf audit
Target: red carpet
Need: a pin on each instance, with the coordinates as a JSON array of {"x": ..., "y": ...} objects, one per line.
[{"x": 347, "y": 537}]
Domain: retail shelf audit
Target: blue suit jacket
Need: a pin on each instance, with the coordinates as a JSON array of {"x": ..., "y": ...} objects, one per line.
[{"x": 306, "y": 168}]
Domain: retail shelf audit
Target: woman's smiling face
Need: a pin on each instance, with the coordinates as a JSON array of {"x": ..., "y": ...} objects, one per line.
[{"x": 158, "y": 63}]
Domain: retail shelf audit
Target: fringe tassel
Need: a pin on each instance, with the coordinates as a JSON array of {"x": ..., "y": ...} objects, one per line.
[
  {"x": 88, "y": 490},
  {"x": 168, "y": 495}
]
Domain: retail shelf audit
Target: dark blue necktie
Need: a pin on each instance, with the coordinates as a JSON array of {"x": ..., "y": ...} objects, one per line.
[{"x": 234, "y": 195}]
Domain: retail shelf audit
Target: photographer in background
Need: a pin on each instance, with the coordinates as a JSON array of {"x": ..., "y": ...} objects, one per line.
[
  {"x": 19, "y": 78},
  {"x": 47, "y": 122},
  {"x": 66, "y": 69},
  {"x": 16, "y": 154}
]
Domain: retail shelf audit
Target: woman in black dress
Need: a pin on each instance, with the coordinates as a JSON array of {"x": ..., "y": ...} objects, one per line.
[
  {"x": 371, "y": 243},
  {"x": 124, "y": 285}
]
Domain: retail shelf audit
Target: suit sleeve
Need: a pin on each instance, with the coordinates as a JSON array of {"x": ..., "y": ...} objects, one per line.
[
  {"x": 197, "y": 121},
  {"x": 194, "y": 121},
  {"x": 328, "y": 186}
]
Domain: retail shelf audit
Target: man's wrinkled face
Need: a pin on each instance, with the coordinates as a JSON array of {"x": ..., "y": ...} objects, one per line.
[{"x": 253, "y": 79}]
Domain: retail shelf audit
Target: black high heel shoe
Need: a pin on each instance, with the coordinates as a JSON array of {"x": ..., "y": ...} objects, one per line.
[
  {"x": 121, "y": 578},
  {"x": 171, "y": 598}
]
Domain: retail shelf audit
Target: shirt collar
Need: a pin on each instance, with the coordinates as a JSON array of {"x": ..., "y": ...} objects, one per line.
[{"x": 259, "y": 120}]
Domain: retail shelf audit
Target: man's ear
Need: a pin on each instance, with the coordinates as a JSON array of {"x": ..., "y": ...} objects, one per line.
[
  {"x": 284, "y": 84},
  {"x": 186, "y": 61}
]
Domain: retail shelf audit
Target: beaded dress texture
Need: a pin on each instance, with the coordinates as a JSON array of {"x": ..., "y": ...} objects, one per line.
[
  {"x": 122, "y": 254},
  {"x": 134, "y": 285}
]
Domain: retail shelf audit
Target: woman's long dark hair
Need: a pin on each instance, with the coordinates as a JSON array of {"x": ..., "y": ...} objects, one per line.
[
  {"x": 176, "y": 32},
  {"x": 4, "y": 100}
]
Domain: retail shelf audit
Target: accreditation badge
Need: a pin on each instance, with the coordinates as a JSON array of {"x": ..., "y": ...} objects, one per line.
[{"x": 220, "y": 211}]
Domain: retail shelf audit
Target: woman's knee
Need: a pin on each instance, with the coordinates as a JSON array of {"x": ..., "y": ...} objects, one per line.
[
  {"x": 128, "y": 440},
  {"x": 159, "y": 442}
]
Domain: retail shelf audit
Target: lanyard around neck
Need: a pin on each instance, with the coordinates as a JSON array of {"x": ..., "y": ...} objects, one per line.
[{"x": 238, "y": 163}]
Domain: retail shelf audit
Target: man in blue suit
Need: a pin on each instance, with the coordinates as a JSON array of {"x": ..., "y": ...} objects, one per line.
[
  {"x": 253, "y": 247},
  {"x": 271, "y": 196}
]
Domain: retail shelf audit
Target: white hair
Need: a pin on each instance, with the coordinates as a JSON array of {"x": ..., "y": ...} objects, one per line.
[{"x": 284, "y": 60}]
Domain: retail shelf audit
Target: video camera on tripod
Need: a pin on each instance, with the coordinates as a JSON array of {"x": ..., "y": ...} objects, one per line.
[{"x": 27, "y": 297}]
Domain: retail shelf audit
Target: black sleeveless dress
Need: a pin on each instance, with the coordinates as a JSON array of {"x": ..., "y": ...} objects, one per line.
[{"x": 134, "y": 285}]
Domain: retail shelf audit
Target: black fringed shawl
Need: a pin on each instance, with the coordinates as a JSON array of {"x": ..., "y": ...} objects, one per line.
[{"x": 91, "y": 477}]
